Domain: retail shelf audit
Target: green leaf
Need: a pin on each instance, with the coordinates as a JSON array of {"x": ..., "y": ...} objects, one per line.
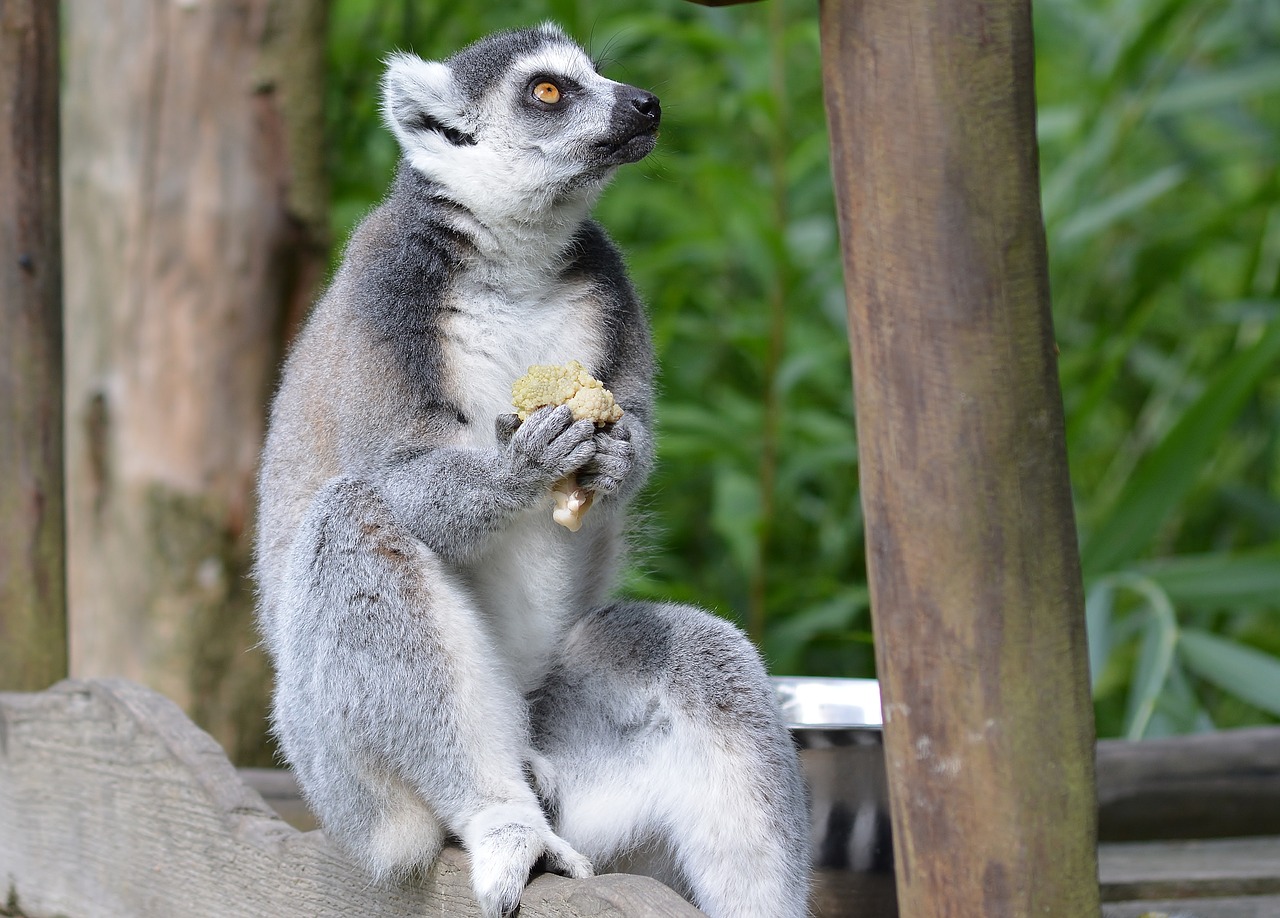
[
  {"x": 1155, "y": 658},
  {"x": 785, "y": 641},
  {"x": 736, "y": 515},
  {"x": 1098, "y": 607},
  {"x": 1178, "y": 710},
  {"x": 1089, "y": 221},
  {"x": 1243, "y": 671},
  {"x": 1057, "y": 121},
  {"x": 1219, "y": 580},
  {"x": 1163, "y": 478},
  {"x": 1211, "y": 90}
]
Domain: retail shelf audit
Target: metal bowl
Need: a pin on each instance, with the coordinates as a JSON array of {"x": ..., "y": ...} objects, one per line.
[{"x": 836, "y": 724}]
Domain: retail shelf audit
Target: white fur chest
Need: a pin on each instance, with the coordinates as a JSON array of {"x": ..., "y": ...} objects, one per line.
[
  {"x": 496, "y": 332},
  {"x": 529, "y": 584}
]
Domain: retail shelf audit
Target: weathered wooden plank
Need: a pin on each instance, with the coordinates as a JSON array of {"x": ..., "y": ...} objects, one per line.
[
  {"x": 1246, "y": 907},
  {"x": 33, "y": 620},
  {"x": 1190, "y": 869},
  {"x": 279, "y": 790},
  {"x": 977, "y": 601},
  {"x": 1212, "y": 785},
  {"x": 1216, "y": 785},
  {"x": 112, "y": 803}
]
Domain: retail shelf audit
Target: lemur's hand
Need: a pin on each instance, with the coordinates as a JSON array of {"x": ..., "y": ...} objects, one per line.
[
  {"x": 549, "y": 446},
  {"x": 503, "y": 843},
  {"x": 613, "y": 460}
]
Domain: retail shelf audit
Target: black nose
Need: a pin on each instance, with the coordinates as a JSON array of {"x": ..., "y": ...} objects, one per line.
[{"x": 647, "y": 104}]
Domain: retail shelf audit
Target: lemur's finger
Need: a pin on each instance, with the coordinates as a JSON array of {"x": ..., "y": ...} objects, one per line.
[
  {"x": 610, "y": 465},
  {"x": 543, "y": 426},
  {"x": 562, "y": 859},
  {"x": 502, "y": 859},
  {"x": 610, "y": 449},
  {"x": 575, "y": 447},
  {"x": 505, "y": 426}
]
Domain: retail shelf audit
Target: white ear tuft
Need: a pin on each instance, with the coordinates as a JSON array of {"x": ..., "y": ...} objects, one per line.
[
  {"x": 551, "y": 27},
  {"x": 420, "y": 96}
]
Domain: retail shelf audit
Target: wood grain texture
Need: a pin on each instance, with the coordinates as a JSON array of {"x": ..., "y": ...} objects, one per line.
[
  {"x": 1190, "y": 869},
  {"x": 194, "y": 232},
  {"x": 114, "y": 805},
  {"x": 33, "y": 633},
  {"x": 1243, "y": 907},
  {"x": 974, "y": 571},
  {"x": 1210, "y": 785}
]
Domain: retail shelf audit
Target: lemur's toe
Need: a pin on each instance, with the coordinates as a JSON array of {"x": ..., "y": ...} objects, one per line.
[{"x": 563, "y": 859}]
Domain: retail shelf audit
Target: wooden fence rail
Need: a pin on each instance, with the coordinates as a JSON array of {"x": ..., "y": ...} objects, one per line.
[{"x": 112, "y": 803}]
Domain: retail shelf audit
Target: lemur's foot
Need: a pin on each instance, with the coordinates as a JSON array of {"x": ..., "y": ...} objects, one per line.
[{"x": 503, "y": 843}]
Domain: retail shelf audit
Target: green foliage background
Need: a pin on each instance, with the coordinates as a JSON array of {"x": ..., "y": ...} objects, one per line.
[{"x": 1160, "y": 144}]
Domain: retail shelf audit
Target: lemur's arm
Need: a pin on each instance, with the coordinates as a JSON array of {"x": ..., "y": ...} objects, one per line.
[{"x": 454, "y": 498}]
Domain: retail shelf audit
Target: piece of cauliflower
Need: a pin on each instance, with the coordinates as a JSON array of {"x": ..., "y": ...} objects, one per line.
[
  {"x": 547, "y": 386},
  {"x": 571, "y": 385}
]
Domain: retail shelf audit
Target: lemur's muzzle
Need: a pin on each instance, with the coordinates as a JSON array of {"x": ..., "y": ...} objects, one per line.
[
  {"x": 646, "y": 106},
  {"x": 633, "y": 126}
]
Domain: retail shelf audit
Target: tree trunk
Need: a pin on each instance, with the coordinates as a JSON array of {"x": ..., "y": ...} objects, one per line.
[
  {"x": 195, "y": 209},
  {"x": 975, "y": 576},
  {"x": 33, "y": 635}
]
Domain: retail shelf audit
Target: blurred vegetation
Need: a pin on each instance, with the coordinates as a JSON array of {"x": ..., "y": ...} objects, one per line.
[{"x": 1160, "y": 144}]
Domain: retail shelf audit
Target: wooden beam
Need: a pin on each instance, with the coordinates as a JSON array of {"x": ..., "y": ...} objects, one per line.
[
  {"x": 113, "y": 803},
  {"x": 1239, "y": 907},
  {"x": 1210, "y": 785},
  {"x": 1190, "y": 869},
  {"x": 974, "y": 571},
  {"x": 33, "y": 643}
]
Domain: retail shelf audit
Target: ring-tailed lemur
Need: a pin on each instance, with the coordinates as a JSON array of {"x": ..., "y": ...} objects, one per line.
[{"x": 448, "y": 660}]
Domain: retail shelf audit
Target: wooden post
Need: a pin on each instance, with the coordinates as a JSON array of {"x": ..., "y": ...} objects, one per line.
[
  {"x": 32, "y": 542},
  {"x": 974, "y": 570},
  {"x": 196, "y": 222}
]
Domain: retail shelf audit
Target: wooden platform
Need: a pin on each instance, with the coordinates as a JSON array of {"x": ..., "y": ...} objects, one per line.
[
  {"x": 1207, "y": 878},
  {"x": 112, "y": 803},
  {"x": 1191, "y": 826},
  {"x": 1219, "y": 878},
  {"x": 1199, "y": 804},
  {"x": 1182, "y": 822}
]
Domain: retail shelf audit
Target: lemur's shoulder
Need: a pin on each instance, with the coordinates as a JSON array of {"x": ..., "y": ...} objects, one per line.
[
  {"x": 593, "y": 256},
  {"x": 382, "y": 314},
  {"x": 592, "y": 253},
  {"x": 408, "y": 248}
]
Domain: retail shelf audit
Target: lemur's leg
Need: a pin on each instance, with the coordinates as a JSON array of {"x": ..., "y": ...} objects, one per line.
[
  {"x": 375, "y": 815},
  {"x": 657, "y": 732},
  {"x": 389, "y": 686}
]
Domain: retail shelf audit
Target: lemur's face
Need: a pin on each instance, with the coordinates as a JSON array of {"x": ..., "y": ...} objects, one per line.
[{"x": 518, "y": 121}]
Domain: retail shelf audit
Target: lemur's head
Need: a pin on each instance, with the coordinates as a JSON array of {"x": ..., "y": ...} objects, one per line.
[{"x": 517, "y": 123}]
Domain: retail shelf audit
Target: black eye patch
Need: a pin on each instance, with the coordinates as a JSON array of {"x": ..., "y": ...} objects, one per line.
[
  {"x": 421, "y": 121},
  {"x": 567, "y": 85}
]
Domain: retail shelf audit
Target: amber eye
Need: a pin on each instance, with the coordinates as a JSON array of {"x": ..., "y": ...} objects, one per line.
[{"x": 547, "y": 92}]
